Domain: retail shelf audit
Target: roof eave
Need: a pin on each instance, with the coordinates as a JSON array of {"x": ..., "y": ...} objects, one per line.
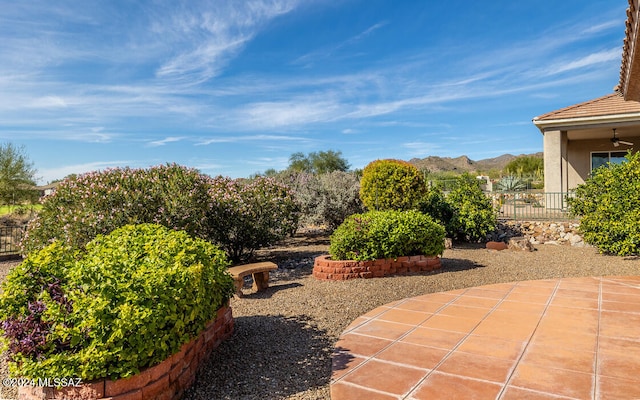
[
  {"x": 594, "y": 120},
  {"x": 630, "y": 67}
]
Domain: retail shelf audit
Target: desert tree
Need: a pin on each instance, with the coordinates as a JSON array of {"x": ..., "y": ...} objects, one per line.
[
  {"x": 17, "y": 175},
  {"x": 321, "y": 162}
]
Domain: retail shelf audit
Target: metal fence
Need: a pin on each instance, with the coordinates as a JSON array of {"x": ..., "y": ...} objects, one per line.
[
  {"x": 10, "y": 237},
  {"x": 530, "y": 205}
]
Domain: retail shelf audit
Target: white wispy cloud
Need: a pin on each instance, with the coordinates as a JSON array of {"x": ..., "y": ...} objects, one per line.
[
  {"x": 287, "y": 113},
  {"x": 210, "y": 37},
  {"x": 611, "y": 55},
  {"x": 328, "y": 51},
  {"x": 613, "y": 24},
  {"x": 48, "y": 102},
  {"x": 162, "y": 142},
  {"x": 252, "y": 138},
  {"x": 50, "y": 174}
]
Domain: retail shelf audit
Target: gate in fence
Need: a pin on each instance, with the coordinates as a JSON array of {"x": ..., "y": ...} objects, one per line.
[{"x": 10, "y": 237}]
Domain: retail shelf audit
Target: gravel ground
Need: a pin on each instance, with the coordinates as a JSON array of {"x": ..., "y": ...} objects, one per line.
[{"x": 283, "y": 338}]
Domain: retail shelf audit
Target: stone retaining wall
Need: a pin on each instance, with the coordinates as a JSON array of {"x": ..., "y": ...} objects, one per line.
[
  {"x": 165, "y": 381},
  {"x": 338, "y": 270},
  {"x": 541, "y": 232}
]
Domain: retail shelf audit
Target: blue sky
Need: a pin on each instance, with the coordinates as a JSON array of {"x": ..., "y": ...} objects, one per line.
[{"x": 234, "y": 87}]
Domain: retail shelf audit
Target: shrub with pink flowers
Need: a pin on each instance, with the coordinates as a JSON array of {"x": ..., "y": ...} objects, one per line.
[
  {"x": 238, "y": 216},
  {"x": 247, "y": 215},
  {"x": 95, "y": 203}
]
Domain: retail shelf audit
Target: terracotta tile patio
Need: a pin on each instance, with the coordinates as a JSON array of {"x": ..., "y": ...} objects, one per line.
[{"x": 572, "y": 338}]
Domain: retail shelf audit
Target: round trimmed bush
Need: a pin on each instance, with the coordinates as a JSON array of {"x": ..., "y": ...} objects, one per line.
[
  {"x": 391, "y": 185},
  {"x": 386, "y": 234},
  {"x": 127, "y": 302},
  {"x": 609, "y": 206}
]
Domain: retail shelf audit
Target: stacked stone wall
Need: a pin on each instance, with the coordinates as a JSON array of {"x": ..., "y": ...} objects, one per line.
[{"x": 541, "y": 232}]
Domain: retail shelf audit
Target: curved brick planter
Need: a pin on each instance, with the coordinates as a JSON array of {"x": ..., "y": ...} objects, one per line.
[
  {"x": 339, "y": 270},
  {"x": 167, "y": 380}
]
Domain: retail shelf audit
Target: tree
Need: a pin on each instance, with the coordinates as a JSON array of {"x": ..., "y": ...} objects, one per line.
[
  {"x": 298, "y": 162},
  {"x": 17, "y": 175},
  {"x": 328, "y": 161},
  {"x": 527, "y": 166},
  {"x": 321, "y": 162}
]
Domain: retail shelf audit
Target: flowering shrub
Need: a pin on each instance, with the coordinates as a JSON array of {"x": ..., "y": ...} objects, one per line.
[
  {"x": 609, "y": 206},
  {"x": 245, "y": 216},
  {"x": 391, "y": 185},
  {"x": 98, "y": 202},
  {"x": 238, "y": 216},
  {"x": 126, "y": 302},
  {"x": 326, "y": 199},
  {"x": 386, "y": 234}
]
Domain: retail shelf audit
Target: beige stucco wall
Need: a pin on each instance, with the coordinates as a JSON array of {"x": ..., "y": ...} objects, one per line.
[{"x": 579, "y": 157}]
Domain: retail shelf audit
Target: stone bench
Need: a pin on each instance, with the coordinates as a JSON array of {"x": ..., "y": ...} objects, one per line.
[{"x": 259, "y": 271}]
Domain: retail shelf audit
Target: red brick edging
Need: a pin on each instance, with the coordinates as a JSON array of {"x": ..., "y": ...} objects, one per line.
[
  {"x": 339, "y": 270},
  {"x": 167, "y": 380}
]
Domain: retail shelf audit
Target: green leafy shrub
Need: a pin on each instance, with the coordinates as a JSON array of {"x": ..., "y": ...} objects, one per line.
[
  {"x": 391, "y": 185},
  {"x": 95, "y": 203},
  {"x": 245, "y": 216},
  {"x": 435, "y": 204},
  {"x": 326, "y": 199},
  {"x": 386, "y": 234},
  {"x": 609, "y": 206},
  {"x": 127, "y": 302},
  {"x": 473, "y": 215}
]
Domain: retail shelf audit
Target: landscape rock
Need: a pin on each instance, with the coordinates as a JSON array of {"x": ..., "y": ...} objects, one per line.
[
  {"x": 520, "y": 243},
  {"x": 540, "y": 232}
]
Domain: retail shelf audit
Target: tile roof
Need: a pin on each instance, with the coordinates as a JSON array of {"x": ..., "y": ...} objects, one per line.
[
  {"x": 630, "y": 67},
  {"x": 609, "y": 105}
]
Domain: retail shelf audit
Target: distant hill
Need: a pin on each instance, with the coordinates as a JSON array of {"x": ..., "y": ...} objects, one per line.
[{"x": 465, "y": 164}]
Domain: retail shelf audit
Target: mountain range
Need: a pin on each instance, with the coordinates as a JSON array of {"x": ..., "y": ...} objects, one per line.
[{"x": 465, "y": 164}]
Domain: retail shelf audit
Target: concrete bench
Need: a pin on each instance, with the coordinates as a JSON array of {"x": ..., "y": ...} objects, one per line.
[{"x": 259, "y": 271}]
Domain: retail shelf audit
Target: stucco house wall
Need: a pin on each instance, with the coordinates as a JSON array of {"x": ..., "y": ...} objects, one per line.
[{"x": 579, "y": 155}]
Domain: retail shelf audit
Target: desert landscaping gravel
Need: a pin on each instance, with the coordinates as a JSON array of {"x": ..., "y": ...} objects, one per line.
[{"x": 283, "y": 337}]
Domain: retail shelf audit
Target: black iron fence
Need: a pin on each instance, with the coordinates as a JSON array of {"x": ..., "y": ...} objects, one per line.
[
  {"x": 10, "y": 237},
  {"x": 530, "y": 205}
]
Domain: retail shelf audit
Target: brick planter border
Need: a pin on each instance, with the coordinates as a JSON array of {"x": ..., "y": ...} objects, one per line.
[
  {"x": 166, "y": 381},
  {"x": 339, "y": 270}
]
